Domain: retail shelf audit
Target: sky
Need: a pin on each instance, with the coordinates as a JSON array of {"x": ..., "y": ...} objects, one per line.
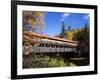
[{"x": 53, "y": 21}]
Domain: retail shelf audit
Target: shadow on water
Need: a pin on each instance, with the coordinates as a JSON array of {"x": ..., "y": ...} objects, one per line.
[{"x": 78, "y": 60}]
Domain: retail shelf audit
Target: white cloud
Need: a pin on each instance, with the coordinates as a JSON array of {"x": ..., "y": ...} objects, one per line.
[
  {"x": 86, "y": 17},
  {"x": 64, "y": 15}
]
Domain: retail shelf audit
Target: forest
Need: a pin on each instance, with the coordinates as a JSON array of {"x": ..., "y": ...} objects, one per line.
[{"x": 34, "y": 21}]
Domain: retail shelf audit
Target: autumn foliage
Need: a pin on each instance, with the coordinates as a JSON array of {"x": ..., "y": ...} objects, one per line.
[{"x": 32, "y": 21}]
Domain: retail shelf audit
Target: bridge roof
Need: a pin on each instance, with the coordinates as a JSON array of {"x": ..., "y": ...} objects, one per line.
[{"x": 30, "y": 33}]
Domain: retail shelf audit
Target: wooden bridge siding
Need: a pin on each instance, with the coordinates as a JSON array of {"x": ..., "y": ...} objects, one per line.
[{"x": 38, "y": 49}]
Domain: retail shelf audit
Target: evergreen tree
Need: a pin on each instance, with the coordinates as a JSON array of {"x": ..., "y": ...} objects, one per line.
[
  {"x": 69, "y": 28},
  {"x": 62, "y": 30}
]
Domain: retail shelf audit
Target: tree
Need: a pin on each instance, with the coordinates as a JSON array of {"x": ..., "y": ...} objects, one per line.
[
  {"x": 62, "y": 30},
  {"x": 33, "y": 21},
  {"x": 82, "y": 35},
  {"x": 69, "y": 35},
  {"x": 69, "y": 28},
  {"x": 66, "y": 33}
]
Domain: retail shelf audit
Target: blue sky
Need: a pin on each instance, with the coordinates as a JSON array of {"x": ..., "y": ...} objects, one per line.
[{"x": 53, "y": 21}]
